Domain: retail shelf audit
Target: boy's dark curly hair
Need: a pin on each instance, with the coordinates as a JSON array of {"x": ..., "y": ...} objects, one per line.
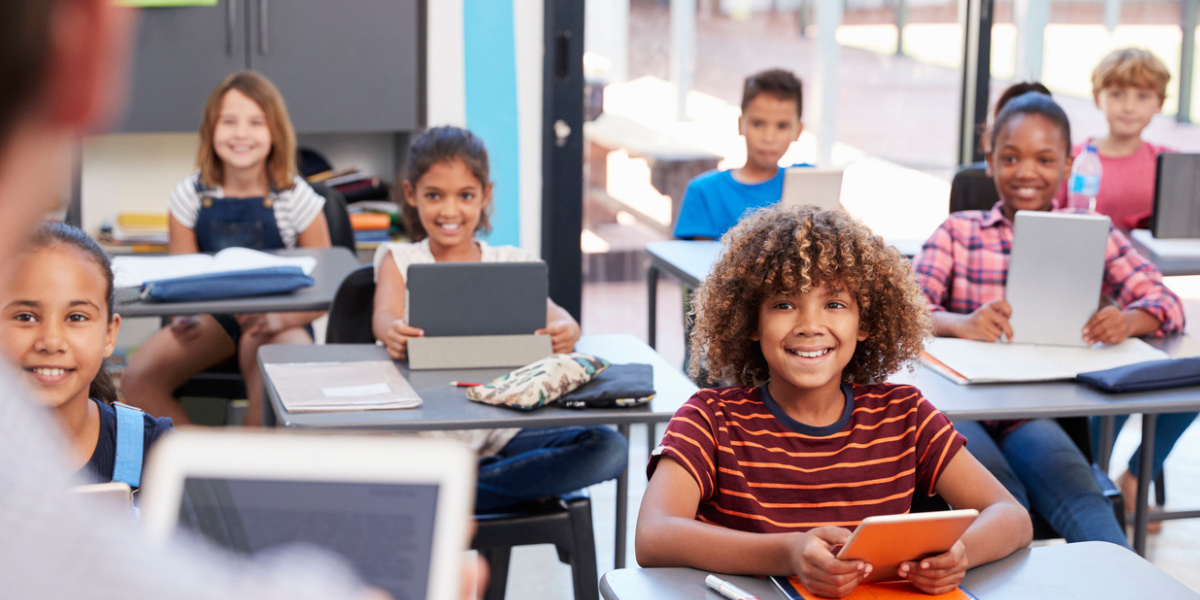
[{"x": 776, "y": 250}]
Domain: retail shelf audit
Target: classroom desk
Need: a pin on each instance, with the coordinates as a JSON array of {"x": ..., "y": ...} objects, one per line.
[
  {"x": 1082, "y": 571},
  {"x": 333, "y": 264},
  {"x": 446, "y": 407},
  {"x": 690, "y": 261},
  {"x": 1054, "y": 399},
  {"x": 1171, "y": 256}
]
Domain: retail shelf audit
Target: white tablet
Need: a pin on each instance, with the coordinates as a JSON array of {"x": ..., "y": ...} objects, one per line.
[
  {"x": 1055, "y": 271},
  {"x": 886, "y": 541},
  {"x": 114, "y": 495},
  {"x": 809, "y": 186},
  {"x": 396, "y": 508}
]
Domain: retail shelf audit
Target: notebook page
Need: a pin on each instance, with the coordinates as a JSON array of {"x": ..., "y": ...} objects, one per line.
[
  {"x": 984, "y": 362},
  {"x": 244, "y": 259},
  {"x": 133, "y": 271}
]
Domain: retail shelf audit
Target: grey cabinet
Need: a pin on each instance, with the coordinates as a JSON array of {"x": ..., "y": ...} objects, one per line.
[{"x": 342, "y": 65}]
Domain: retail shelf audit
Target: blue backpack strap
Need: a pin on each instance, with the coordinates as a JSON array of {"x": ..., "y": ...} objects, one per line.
[{"x": 127, "y": 467}]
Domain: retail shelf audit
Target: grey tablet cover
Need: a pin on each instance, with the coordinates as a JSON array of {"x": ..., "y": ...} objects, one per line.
[
  {"x": 457, "y": 299},
  {"x": 1054, "y": 275},
  {"x": 1177, "y": 197}
]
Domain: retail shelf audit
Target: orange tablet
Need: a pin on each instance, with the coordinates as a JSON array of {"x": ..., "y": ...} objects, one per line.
[{"x": 886, "y": 541}]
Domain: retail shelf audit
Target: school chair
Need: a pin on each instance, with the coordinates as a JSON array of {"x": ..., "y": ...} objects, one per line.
[
  {"x": 972, "y": 189},
  {"x": 337, "y": 215},
  {"x": 1077, "y": 429},
  {"x": 565, "y": 522},
  {"x": 225, "y": 380}
]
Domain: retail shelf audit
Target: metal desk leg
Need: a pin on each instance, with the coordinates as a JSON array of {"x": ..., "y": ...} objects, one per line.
[
  {"x": 652, "y": 302},
  {"x": 1108, "y": 425},
  {"x": 267, "y": 410},
  {"x": 1145, "y": 475},
  {"x": 622, "y": 508},
  {"x": 651, "y": 439}
]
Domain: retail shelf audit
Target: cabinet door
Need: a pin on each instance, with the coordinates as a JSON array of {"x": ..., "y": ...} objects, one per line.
[
  {"x": 345, "y": 66},
  {"x": 180, "y": 55}
]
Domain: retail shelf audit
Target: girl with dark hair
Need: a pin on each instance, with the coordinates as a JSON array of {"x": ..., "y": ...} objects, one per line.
[
  {"x": 962, "y": 270},
  {"x": 447, "y": 199},
  {"x": 57, "y": 323}
]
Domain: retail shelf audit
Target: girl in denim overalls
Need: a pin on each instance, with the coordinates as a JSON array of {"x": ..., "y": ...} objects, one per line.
[{"x": 245, "y": 193}]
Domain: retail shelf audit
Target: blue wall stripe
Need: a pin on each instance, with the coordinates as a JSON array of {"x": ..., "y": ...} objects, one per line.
[{"x": 490, "y": 58}]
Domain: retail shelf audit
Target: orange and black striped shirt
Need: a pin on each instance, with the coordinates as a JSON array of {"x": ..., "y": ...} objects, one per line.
[{"x": 760, "y": 470}]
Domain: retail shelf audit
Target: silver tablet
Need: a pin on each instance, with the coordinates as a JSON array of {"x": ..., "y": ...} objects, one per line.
[
  {"x": 809, "y": 186},
  {"x": 395, "y": 508},
  {"x": 1054, "y": 275}
]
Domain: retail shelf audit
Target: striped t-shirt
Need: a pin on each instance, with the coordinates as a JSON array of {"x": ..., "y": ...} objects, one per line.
[
  {"x": 294, "y": 209},
  {"x": 760, "y": 470}
]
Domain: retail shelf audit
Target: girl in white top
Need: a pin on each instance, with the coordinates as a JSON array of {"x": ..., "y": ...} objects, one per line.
[
  {"x": 447, "y": 199},
  {"x": 245, "y": 193}
]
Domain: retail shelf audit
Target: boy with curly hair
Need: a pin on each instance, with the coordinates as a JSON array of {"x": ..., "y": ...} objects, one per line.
[{"x": 806, "y": 313}]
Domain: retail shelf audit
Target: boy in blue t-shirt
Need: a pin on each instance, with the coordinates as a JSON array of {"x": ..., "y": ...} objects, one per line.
[{"x": 770, "y": 122}]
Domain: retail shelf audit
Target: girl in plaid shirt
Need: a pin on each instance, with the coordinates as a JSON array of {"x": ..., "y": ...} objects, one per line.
[{"x": 962, "y": 270}]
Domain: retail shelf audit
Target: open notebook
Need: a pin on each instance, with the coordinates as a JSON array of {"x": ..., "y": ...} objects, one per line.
[
  {"x": 968, "y": 361},
  {"x": 133, "y": 271}
]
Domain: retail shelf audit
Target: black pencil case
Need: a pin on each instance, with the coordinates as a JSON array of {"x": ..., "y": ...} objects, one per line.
[{"x": 1144, "y": 376}]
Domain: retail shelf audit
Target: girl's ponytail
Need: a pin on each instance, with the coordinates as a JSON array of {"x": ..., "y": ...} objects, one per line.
[{"x": 103, "y": 387}]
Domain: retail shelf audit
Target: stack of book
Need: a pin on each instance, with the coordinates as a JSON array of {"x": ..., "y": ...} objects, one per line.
[{"x": 144, "y": 232}]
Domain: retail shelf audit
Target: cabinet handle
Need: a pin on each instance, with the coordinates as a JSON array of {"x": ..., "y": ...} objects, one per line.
[
  {"x": 262, "y": 26},
  {"x": 230, "y": 25}
]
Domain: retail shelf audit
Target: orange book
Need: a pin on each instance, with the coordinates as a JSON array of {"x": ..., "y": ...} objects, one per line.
[{"x": 370, "y": 221}]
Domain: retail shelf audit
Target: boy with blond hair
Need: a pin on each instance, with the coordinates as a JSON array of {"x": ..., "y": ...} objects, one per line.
[{"x": 1129, "y": 87}]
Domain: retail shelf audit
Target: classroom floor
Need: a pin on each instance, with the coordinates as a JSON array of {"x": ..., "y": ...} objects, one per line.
[{"x": 536, "y": 574}]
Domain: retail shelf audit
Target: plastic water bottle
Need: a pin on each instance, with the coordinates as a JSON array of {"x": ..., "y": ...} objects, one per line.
[{"x": 1084, "y": 184}]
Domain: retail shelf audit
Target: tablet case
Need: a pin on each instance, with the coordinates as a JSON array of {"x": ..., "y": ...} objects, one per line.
[
  {"x": 477, "y": 315},
  {"x": 1055, "y": 271},
  {"x": 1176, "y": 197}
]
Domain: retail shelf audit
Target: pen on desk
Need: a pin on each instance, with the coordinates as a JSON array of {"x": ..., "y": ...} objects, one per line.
[
  {"x": 463, "y": 384},
  {"x": 727, "y": 589}
]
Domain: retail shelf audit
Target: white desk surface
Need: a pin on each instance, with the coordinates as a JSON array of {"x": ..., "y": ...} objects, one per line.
[{"x": 1171, "y": 256}]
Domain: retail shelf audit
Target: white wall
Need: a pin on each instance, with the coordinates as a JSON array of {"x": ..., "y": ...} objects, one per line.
[{"x": 132, "y": 172}]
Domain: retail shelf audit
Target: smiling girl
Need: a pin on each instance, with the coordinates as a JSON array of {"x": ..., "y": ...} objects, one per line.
[
  {"x": 962, "y": 270},
  {"x": 57, "y": 323},
  {"x": 447, "y": 200},
  {"x": 246, "y": 193}
]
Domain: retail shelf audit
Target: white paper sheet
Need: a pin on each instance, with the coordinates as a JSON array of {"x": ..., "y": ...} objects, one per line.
[
  {"x": 984, "y": 362},
  {"x": 133, "y": 271}
]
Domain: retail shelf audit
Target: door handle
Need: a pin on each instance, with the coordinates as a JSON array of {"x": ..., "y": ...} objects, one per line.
[
  {"x": 230, "y": 25},
  {"x": 262, "y": 26}
]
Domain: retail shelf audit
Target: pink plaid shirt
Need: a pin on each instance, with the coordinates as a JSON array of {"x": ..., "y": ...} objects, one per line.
[{"x": 964, "y": 265}]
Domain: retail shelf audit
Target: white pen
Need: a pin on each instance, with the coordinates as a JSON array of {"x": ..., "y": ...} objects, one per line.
[{"x": 727, "y": 589}]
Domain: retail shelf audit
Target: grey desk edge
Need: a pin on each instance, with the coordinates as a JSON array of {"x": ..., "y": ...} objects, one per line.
[
  {"x": 1084, "y": 571},
  {"x": 332, "y": 266}
]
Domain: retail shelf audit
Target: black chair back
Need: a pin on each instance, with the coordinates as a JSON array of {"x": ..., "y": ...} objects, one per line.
[
  {"x": 972, "y": 189},
  {"x": 352, "y": 307},
  {"x": 340, "y": 231}
]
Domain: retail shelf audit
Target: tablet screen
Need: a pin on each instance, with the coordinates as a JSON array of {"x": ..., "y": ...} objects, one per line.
[{"x": 384, "y": 530}]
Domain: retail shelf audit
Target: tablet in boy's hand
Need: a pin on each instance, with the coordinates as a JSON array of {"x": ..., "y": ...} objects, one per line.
[{"x": 886, "y": 541}]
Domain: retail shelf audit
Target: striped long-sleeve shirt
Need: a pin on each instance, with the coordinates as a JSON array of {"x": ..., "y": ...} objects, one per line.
[{"x": 759, "y": 470}]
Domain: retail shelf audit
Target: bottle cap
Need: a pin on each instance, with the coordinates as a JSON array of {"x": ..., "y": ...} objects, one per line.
[{"x": 1090, "y": 148}]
